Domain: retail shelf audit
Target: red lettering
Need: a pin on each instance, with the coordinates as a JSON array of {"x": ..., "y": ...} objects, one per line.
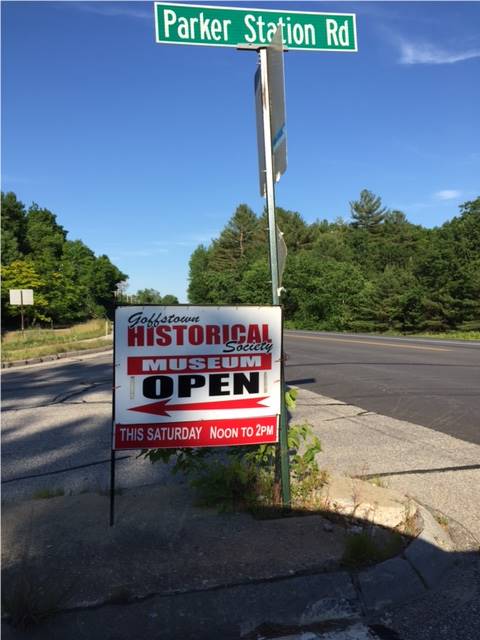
[
  {"x": 163, "y": 336},
  {"x": 195, "y": 334},
  {"x": 136, "y": 337},
  {"x": 238, "y": 333},
  {"x": 265, "y": 336},
  {"x": 212, "y": 334},
  {"x": 253, "y": 333},
  {"x": 180, "y": 332}
]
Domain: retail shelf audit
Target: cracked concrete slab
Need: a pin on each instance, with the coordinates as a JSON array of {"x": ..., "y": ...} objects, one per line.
[{"x": 434, "y": 468}]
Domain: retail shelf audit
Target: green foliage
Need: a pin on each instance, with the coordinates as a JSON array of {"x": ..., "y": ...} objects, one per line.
[
  {"x": 379, "y": 273},
  {"x": 242, "y": 477},
  {"x": 363, "y": 549},
  {"x": 70, "y": 283},
  {"x": 367, "y": 213},
  {"x": 33, "y": 593},
  {"x": 46, "y": 494},
  {"x": 147, "y": 296},
  {"x": 228, "y": 486}
]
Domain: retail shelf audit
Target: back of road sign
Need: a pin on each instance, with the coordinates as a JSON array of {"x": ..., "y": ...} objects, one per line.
[{"x": 276, "y": 85}]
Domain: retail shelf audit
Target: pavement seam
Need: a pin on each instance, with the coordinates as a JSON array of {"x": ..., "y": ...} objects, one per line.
[
  {"x": 128, "y": 601},
  {"x": 66, "y": 470}
]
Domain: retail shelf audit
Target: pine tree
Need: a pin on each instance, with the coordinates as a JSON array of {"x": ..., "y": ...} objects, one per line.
[{"x": 368, "y": 213}]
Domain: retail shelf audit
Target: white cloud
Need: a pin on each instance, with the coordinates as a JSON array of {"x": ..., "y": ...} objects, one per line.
[
  {"x": 447, "y": 194},
  {"x": 426, "y": 53}
]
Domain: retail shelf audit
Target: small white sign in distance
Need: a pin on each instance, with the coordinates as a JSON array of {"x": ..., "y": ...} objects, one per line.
[{"x": 21, "y": 296}]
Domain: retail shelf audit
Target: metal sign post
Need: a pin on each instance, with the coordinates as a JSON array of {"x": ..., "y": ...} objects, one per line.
[{"x": 271, "y": 171}]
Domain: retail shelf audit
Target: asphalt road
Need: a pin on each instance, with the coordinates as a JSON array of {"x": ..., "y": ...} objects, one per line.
[
  {"x": 56, "y": 431},
  {"x": 57, "y": 416},
  {"x": 429, "y": 382}
]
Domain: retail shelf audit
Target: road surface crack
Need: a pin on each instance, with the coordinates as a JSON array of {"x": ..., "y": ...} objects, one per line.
[
  {"x": 62, "y": 398},
  {"x": 353, "y": 415}
]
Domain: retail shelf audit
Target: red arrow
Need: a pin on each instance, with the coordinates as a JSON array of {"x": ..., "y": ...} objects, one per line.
[{"x": 161, "y": 409}]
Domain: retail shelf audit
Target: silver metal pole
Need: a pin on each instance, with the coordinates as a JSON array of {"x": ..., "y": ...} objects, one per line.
[
  {"x": 269, "y": 179},
  {"x": 282, "y": 446}
]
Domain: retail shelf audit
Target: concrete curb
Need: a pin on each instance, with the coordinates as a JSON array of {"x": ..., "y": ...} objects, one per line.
[
  {"x": 420, "y": 567},
  {"x": 299, "y": 602},
  {"x": 54, "y": 357},
  {"x": 336, "y": 595}
]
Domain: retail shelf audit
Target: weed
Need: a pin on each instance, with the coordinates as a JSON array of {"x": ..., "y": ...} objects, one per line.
[
  {"x": 45, "y": 494},
  {"x": 442, "y": 520},
  {"x": 231, "y": 485},
  {"x": 409, "y": 527},
  {"x": 362, "y": 549},
  {"x": 28, "y": 597},
  {"x": 378, "y": 482},
  {"x": 306, "y": 492}
]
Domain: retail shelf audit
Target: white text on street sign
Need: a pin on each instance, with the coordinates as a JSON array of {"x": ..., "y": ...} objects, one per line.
[{"x": 235, "y": 26}]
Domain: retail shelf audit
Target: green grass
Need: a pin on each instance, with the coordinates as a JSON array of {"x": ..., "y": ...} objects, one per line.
[
  {"x": 448, "y": 335},
  {"x": 43, "y": 342},
  {"x": 46, "y": 494},
  {"x": 438, "y": 335},
  {"x": 362, "y": 549}
]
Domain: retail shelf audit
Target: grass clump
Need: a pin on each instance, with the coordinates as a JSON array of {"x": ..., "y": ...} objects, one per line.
[
  {"x": 232, "y": 485},
  {"x": 29, "y": 598},
  {"x": 377, "y": 481},
  {"x": 365, "y": 548},
  {"x": 442, "y": 520},
  {"x": 46, "y": 494}
]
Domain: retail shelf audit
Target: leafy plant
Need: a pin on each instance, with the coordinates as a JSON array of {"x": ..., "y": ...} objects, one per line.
[
  {"x": 244, "y": 476},
  {"x": 228, "y": 486}
]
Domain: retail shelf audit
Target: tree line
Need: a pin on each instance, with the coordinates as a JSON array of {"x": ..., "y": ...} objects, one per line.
[
  {"x": 375, "y": 272},
  {"x": 70, "y": 282}
]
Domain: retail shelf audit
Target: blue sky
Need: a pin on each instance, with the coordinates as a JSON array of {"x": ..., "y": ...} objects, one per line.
[{"x": 145, "y": 150}]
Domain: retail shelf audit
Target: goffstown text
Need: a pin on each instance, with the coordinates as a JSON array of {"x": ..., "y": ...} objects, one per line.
[{"x": 228, "y": 335}]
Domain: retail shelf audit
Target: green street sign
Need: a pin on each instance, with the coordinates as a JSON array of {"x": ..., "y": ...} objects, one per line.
[{"x": 240, "y": 27}]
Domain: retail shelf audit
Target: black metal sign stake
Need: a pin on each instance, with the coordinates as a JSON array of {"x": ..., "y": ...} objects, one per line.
[
  {"x": 112, "y": 488},
  {"x": 112, "y": 458}
]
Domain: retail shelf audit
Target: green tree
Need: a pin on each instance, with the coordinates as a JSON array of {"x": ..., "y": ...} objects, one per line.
[
  {"x": 367, "y": 212},
  {"x": 44, "y": 239},
  {"x": 13, "y": 228},
  {"x": 198, "y": 291},
  {"x": 152, "y": 296},
  {"x": 238, "y": 241},
  {"x": 21, "y": 274},
  {"x": 106, "y": 277}
]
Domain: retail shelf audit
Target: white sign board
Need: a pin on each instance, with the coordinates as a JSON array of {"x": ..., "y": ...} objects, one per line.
[
  {"x": 21, "y": 296},
  {"x": 191, "y": 376}
]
